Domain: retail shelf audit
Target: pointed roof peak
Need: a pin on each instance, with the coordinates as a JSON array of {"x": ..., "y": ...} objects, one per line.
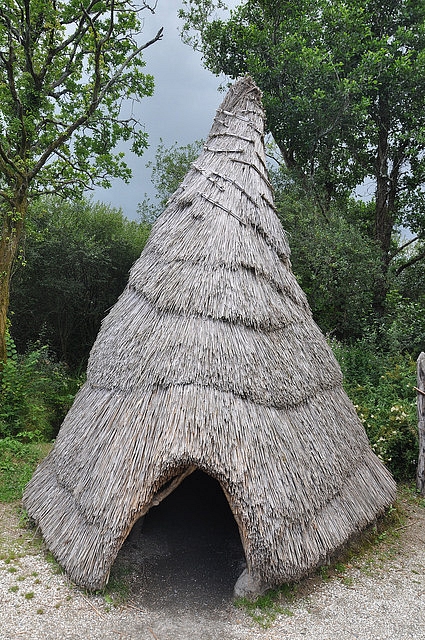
[
  {"x": 242, "y": 90},
  {"x": 243, "y": 101}
]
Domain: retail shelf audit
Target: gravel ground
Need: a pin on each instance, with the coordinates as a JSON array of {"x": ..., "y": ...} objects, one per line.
[{"x": 381, "y": 597}]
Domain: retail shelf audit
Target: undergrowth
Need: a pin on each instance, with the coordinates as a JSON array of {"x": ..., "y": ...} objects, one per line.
[
  {"x": 382, "y": 388},
  {"x": 17, "y": 463},
  {"x": 117, "y": 591},
  {"x": 36, "y": 392}
]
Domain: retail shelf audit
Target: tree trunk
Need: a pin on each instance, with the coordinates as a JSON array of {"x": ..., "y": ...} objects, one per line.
[
  {"x": 12, "y": 229},
  {"x": 385, "y": 200},
  {"x": 420, "y": 475}
]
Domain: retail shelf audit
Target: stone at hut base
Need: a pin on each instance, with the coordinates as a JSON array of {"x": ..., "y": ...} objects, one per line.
[{"x": 248, "y": 587}]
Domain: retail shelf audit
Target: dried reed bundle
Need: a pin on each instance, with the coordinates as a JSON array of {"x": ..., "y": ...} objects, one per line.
[{"x": 211, "y": 360}]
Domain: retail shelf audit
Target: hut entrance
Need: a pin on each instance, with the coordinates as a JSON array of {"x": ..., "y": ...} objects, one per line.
[{"x": 189, "y": 549}]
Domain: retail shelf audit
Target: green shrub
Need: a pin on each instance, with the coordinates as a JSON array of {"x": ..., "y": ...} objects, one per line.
[
  {"x": 35, "y": 394},
  {"x": 404, "y": 324},
  {"x": 95, "y": 246},
  {"x": 381, "y": 387},
  {"x": 17, "y": 463}
]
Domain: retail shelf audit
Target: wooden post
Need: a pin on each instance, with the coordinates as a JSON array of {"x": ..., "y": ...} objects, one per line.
[{"x": 420, "y": 476}]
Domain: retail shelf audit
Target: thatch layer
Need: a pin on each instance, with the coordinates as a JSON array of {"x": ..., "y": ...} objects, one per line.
[{"x": 210, "y": 359}]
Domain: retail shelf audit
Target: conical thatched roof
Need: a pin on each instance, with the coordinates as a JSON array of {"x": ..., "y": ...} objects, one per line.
[{"x": 211, "y": 360}]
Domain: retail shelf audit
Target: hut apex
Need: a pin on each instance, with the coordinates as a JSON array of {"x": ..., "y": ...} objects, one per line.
[{"x": 210, "y": 360}]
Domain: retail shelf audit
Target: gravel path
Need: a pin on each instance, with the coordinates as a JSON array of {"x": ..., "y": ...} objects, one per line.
[{"x": 381, "y": 597}]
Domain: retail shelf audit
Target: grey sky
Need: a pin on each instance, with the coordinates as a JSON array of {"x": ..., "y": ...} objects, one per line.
[{"x": 181, "y": 110}]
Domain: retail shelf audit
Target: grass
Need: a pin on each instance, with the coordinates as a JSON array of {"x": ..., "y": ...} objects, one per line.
[
  {"x": 16, "y": 543},
  {"x": 117, "y": 591},
  {"x": 409, "y": 493},
  {"x": 265, "y": 609},
  {"x": 50, "y": 558},
  {"x": 372, "y": 548}
]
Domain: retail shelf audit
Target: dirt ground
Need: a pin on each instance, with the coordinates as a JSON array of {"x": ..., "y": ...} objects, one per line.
[{"x": 174, "y": 579}]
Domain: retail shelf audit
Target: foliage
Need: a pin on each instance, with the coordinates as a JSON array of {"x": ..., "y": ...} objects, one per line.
[
  {"x": 381, "y": 386},
  {"x": 403, "y": 327},
  {"x": 17, "y": 463},
  {"x": 65, "y": 70},
  {"x": 35, "y": 394},
  {"x": 78, "y": 255},
  {"x": 168, "y": 170},
  {"x": 69, "y": 72},
  {"x": 408, "y": 268},
  {"x": 404, "y": 319},
  {"x": 333, "y": 258}
]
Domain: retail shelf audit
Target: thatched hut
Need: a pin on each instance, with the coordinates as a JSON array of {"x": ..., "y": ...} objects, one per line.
[{"x": 211, "y": 360}]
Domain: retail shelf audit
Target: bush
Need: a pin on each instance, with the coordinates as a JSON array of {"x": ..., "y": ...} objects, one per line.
[
  {"x": 77, "y": 255},
  {"x": 17, "y": 463},
  {"x": 381, "y": 387},
  {"x": 35, "y": 394},
  {"x": 404, "y": 324},
  {"x": 335, "y": 262}
]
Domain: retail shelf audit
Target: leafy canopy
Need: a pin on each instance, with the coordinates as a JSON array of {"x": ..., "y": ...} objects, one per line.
[
  {"x": 67, "y": 71},
  {"x": 70, "y": 71}
]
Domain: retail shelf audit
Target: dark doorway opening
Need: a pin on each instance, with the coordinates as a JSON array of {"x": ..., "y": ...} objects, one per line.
[{"x": 188, "y": 551}]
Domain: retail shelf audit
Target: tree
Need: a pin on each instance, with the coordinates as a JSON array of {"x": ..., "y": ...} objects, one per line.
[
  {"x": 343, "y": 88},
  {"x": 95, "y": 246},
  {"x": 334, "y": 260},
  {"x": 66, "y": 71}
]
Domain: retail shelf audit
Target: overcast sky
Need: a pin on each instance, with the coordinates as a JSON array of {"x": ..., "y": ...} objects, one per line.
[{"x": 181, "y": 110}]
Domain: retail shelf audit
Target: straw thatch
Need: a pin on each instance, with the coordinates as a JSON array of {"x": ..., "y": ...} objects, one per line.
[{"x": 210, "y": 360}]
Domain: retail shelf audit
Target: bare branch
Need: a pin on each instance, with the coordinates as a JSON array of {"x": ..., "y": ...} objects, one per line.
[
  {"x": 147, "y": 6},
  {"x": 97, "y": 97},
  {"x": 404, "y": 246},
  {"x": 126, "y": 62},
  {"x": 409, "y": 263}
]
